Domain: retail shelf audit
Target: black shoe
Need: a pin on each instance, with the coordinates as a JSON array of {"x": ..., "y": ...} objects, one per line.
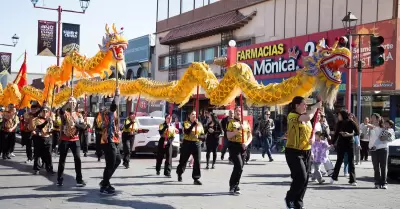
[
  {"x": 98, "y": 159},
  {"x": 158, "y": 173},
  {"x": 126, "y": 166},
  {"x": 213, "y": 166},
  {"x": 85, "y": 155},
  {"x": 197, "y": 182},
  {"x": 237, "y": 191},
  {"x": 207, "y": 167},
  {"x": 80, "y": 183},
  {"x": 263, "y": 155},
  {"x": 107, "y": 190},
  {"x": 180, "y": 178},
  {"x": 4, "y": 157},
  {"x": 167, "y": 175},
  {"x": 222, "y": 157},
  {"x": 60, "y": 182},
  {"x": 289, "y": 204},
  {"x": 8, "y": 157},
  {"x": 271, "y": 160}
]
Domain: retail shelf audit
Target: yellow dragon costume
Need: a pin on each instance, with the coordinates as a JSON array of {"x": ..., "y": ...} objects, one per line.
[{"x": 320, "y": 72}]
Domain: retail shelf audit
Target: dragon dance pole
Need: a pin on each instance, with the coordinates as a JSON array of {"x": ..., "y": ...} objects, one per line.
[
  {"x": 171, "y": 107},
  {"x": 72, "y": 82},
  {"x": 52, "y": 98},
  {"x": 117, "y": 87},
  {"x": 137, "y": 105},
  {"x": 197, "y": 108},
  {"x": 241, "y": 115}
]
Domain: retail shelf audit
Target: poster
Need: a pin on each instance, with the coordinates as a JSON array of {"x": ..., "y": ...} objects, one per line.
[
  {"x": 46, "y": 38},
  {"x": 70, "y": 38},
  {"x": 5, "y": 62}
]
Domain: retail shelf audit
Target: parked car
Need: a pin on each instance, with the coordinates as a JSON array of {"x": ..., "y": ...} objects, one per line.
[
  {"x": 394, "y": 160},
  {"x": 148, "y": 142}
]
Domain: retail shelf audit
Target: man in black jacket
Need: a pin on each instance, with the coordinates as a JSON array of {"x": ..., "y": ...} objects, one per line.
[{"x": 224, "y": 124}]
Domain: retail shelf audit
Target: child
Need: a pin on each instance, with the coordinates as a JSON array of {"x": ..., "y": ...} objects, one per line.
[{"x": 319, "y": 151}]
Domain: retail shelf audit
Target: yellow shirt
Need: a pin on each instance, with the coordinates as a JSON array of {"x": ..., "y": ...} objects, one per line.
[
  {"x": 132, "y": 128},
  {"x": 171, "y": 131},
  {"x": 57, "y": 124},
  {"x": 299, "y": 133},
  {"x": 234, "y": 125},
  {"x": 193, "y": 136}
]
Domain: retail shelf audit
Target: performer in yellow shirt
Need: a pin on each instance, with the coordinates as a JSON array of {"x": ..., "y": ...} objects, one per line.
[
  {"x": 128, "y": 137},
  {"x": 167, "y": 134},
  {"x": 239, "y": 136},
  {"x": 191, "y": 145},
  {"x": 298, "y": 149}
]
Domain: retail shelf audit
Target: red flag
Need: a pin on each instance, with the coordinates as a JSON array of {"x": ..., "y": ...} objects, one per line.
[{"x": 21, "y": 79}]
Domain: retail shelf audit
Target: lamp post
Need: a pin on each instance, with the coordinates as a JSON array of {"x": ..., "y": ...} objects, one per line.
[
  {"x": 84, "y": 5},
  {"x": 14, "y": 39},
  {"x": 349, "y": 24}
]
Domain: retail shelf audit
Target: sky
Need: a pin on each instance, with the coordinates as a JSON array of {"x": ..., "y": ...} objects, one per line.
[{"x": 137, "y": 17}]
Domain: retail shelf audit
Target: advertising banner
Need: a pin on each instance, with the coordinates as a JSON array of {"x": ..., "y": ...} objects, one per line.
[
  {"x": 5, "y": 62},
  {"x": 138, "y": 50},
  {"x": 277, "y": 60},
  {"x": 70, "y": 38},
  {"x": 46, "y": 38}
]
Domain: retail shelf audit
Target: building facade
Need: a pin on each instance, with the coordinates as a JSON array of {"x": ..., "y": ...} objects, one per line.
[{"x": 203, "y": 32}]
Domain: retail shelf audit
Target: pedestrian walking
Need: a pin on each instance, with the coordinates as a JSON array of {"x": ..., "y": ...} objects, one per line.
[
  {"x": 364, "y": 139},
  {"x": 265, "y": 128},
  {"x": 213, "y": 131},
  {"x": 128, "y": 137}
]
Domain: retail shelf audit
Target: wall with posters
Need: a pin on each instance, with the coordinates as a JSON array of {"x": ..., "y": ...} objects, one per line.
[{"x": 277, "y": 60}]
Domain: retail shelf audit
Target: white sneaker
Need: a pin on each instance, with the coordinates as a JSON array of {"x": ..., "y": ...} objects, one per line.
[
  {"x": 384, "y": 187},
  {"x": 12, "y": 154},
  {"x": 28, "y": 161},
  {"x": 346, "y": 175},
  {"x": 354, "y": 184},
  {"x": 332, "y": 181}
]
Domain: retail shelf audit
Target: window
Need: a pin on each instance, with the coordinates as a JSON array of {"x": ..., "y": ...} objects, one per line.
[
  {"x": 164, "y": 63},
  {"x": 179, "y": 60},
  {"x": 174, "y": 7},
  {"x": 209, "y": 54},
  {"x": 213, "y": 1},
  {"x": 189, "y": 57},
  {"x": 199, "y": 3},
  {"x": 243, "y": 43},
  {"x": 162, "y": 10},
  {"x": 187, "y": 5}
]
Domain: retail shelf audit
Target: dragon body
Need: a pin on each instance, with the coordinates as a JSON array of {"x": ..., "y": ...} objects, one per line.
[{"x": 320, "y": 72}]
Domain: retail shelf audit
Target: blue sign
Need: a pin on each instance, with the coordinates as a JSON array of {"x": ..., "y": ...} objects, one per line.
[{"x": 138, "y": 50}]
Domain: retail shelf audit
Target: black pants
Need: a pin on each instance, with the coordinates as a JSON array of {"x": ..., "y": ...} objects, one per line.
[
  {"x": 341, "y": 150},
  {"x": 99, "y": 151},
  {"x": 379, "y": 161},
  {"x": 26, "y": 138},
  {"x": 127, "y": 142},
  {"x": 113, "y": 159},
  {"x": 6, "y": 138},
  {"x": 237, "y": 155},
  {"x": 248, "y": 152},
  {"x": 167, "y": 151},
  {"x": 190, "y": 148},
  {"x": 56, "y": 139},
  {"x": 299, "y": 164},
  {"x": 75, "y": 147},
  {"x": 212, "y": 146},
  {"x": 83, "y": 137},
  {"x": 364, "y": 150},
  {"x": 42, "y": 150},
  {"x": 11, "y": 145}
]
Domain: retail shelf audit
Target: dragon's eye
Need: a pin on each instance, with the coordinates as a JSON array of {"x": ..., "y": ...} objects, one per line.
[{"x": 327, "y": 53}]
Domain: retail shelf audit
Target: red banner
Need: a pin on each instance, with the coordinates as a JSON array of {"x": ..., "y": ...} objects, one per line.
[{"x": 276, "y": 60}]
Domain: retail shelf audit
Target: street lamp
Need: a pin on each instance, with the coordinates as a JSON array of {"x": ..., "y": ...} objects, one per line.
[
  {"x": 14, "y": 39},
  {"x": 84, "y": 5},
  {"x": 349, "y": 24}
]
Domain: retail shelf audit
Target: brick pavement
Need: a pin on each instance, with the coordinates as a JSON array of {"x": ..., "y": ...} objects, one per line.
[{"x": 263, "y": 185}]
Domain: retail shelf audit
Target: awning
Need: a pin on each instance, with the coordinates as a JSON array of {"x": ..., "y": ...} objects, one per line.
[{"x": 207, "y": 27}]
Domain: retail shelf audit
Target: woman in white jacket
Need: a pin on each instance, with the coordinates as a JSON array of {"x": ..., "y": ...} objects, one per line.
[{"x": 378, "y": 145}]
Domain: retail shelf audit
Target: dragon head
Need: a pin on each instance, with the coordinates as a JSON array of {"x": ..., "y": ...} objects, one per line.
[
  {"x": 325, "y": 65},
  {"x": 115, "y": 43}
]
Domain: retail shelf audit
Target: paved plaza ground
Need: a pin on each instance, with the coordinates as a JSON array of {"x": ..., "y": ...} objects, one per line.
[{"x": 263, "y": 184}]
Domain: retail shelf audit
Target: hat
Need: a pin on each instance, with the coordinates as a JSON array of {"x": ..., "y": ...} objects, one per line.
[{"x": 45, "y": 108}]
